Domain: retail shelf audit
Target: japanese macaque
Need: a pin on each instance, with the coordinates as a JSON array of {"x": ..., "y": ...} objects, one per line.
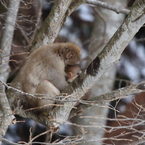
[
  {"x": 72, "y": 71},
  {"x": 44, "y": 72}
]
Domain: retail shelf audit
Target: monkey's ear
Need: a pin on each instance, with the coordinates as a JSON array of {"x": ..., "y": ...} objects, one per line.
[
  {"x": 70, "y": 75},
  {"x": 69, "y": 55}
]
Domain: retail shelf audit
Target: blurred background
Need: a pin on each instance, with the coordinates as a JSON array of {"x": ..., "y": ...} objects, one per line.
[{"x": 90, "y": 27}]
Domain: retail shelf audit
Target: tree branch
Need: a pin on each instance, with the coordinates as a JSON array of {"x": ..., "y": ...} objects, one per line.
[
  {"x": 5, "y": 47},
  {"x": 52, "y": 25},
  {"x": 116, "y": 9},
  {"x": 54, "y": 22},
  {"x": 9, "y": 142},
  {"x": 114, "y": 95},
  {"x": 6, "y": 41}
]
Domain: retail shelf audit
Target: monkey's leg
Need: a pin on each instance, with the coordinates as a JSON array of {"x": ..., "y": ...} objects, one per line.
[{"x": 50, "y": 91}]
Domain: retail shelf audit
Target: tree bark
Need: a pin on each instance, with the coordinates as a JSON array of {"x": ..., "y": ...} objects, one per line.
[{"x": 6, "y": 41}]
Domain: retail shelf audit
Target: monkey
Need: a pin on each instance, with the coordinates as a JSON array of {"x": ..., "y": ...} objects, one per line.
[
  {"x": 44, "y": 71},
  {"x": 72, "y": 71}
]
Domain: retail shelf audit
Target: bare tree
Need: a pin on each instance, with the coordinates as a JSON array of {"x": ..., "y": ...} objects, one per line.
[{"x": 109, "y": 56}]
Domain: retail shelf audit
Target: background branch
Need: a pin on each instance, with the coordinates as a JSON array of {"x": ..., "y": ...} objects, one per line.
[
  {"x": 6, "y": 41},
  {"x": 114, "y": 95},
  {"x": 116, "y": 9}
]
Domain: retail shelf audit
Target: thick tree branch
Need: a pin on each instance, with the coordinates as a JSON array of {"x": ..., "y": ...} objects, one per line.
[
  {"x": 5, "y": 47},
  {"x": 75, "y": 4},
  {"x": 51, "y": 26},
  {"x": 54, "y": 22},
  {"x": 6, "y": 41}
]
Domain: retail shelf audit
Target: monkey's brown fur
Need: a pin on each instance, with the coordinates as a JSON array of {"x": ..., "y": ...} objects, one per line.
[
  {"x": 44, "y": 71},
  {"x": 72, "y": 72}
]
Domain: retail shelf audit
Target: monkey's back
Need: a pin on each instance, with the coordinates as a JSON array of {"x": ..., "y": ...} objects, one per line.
[{"x": 43, "y": 64}]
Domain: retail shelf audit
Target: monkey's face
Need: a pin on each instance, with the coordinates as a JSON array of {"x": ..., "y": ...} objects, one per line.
[
  {"x": 71, "y": 54},
  {"x": 72, "y": 71}
]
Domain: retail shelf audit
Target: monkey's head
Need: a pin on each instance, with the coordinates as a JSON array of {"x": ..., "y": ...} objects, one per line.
[
  {"x": 70, "y": 53},
  {"x": 72, "y": 71}
]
